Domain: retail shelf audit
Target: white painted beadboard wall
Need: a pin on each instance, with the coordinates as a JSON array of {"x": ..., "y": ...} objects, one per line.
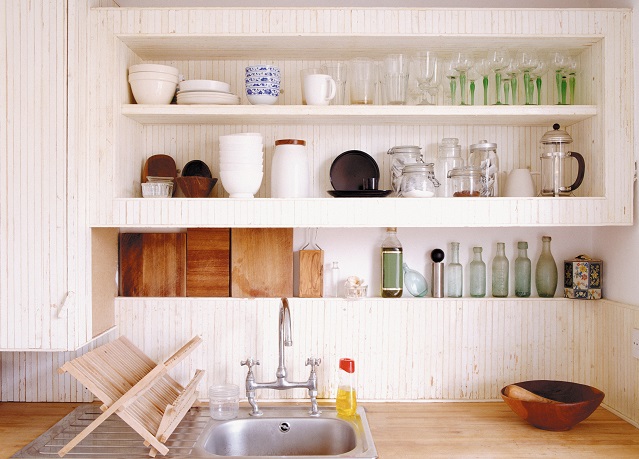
[{"x": 406, "y": 349}]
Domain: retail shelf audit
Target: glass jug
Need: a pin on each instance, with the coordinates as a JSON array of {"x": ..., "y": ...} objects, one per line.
[{"x": 556, "y": 171}]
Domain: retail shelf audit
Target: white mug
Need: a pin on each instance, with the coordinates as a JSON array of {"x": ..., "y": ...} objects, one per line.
[
  {"x": 319, "y": 89},
  {"x": 519, "y": 184}
]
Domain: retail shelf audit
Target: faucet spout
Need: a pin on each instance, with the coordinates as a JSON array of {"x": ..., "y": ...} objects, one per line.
[
  {"x": 281, "y": 383},
  {"x": 284, "y": 337}
]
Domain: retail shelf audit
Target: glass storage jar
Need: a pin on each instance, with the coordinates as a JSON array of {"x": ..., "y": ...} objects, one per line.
[
  {"x": 418, "y": 181},
  {"x": 484, "y": 156},
  {"x": 224, "y": 401},
  {"x": 401, "y": 156},
  {"x": 466, "y": 181}
]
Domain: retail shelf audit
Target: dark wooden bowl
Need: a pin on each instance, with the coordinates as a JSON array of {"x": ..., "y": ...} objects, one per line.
[
  {"x": 196, "y": 168},
  {"x": 576, "y": 403},
  {"x": 196, "y": 187}
]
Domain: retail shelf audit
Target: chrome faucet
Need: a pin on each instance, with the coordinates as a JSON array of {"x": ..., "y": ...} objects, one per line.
[{"x": 281, "y": 383}]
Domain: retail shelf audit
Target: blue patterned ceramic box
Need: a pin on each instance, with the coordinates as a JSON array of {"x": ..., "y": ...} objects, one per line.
[{"x": 583, "y": 278}]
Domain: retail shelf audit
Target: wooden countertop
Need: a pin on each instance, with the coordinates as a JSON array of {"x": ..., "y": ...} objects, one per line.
[{"x": 412, "y": 430}]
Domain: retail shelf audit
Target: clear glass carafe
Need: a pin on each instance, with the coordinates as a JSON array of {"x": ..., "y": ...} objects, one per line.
[
  {"x": 400, "y": 157},
  {"x": 418, "y": 181},
  {"x": 556, "y": 164}
]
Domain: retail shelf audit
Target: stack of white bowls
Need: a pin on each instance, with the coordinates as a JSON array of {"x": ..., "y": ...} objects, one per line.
[
  {"x": 153, "y": 83},
  {"x": 241, "y": 163}
]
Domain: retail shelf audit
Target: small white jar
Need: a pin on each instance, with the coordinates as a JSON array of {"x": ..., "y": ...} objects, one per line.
[
  {"x": 224, "y": 401},
  {"x": 289, "y": 170}
]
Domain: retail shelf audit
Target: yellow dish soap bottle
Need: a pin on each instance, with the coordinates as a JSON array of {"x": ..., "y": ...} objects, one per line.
[{"x": 346, "y": 402}]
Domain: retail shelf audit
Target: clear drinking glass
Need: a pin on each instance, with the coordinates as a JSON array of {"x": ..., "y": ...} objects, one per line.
[
  {"x": 395, "y": 73},
  {"x": 363, "y": 80},
  {"x": 339, "y": 72},
  {"x": 224, "y": 401},
  {"x": 511, "y": 73}
]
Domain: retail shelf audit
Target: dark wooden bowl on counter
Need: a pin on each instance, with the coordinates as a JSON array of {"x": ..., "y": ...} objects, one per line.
[
  {"x": 571, "y": 403},
  {"x": 196, "y": 187}
]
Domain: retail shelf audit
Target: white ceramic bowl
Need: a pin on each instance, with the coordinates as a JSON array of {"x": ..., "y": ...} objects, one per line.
[
  {"x": 241, "y": 184},
  {"x": 262, "y": 68},
  {"x": 153, "y": 91},
  {"x": 241, "y": 158},
  {"x": 203, "y": 85},
  {"x": 241, "y": 167},
  {"x": 154, "y": 68},
  {"x": 241, "y": 162},
  {"x": 152, "y": 76},
  {"x": 261, "y": 99}
]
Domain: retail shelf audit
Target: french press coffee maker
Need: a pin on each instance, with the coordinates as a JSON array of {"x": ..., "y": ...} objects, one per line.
[{"x": 556, "y": 170}]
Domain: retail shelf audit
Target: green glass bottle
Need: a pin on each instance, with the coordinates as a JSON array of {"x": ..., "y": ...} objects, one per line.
[
  {"x": 500, "y": 269},
  {"x": 522, "y": 271},
  {"x": 546, "y": 271},
  {"x": 477, "y": 275},
  {"x": 392, "y": 265}
]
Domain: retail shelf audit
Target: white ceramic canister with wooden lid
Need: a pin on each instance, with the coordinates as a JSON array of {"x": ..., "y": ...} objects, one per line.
[{"x": 289, "y": 170}]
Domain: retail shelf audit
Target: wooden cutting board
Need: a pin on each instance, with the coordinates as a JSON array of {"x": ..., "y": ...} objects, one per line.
[
  {"x": 153, "y": 264},
  {"x": 261, "y": 262},
  {"x": 311, "y": 279},
  {"x": 208, "y": 262}
]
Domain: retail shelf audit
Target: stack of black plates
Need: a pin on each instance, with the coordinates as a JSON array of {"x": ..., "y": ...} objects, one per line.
[{"x": 348, "y": 172}]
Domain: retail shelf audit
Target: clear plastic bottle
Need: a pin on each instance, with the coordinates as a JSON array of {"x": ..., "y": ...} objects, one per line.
[
  {"x": 500, "y": 269},
  {"x": 392, "y": 265},
  {"x": 333, "y": 281},
  {"x": 454, "y": 273},
  {"x": 448, "y": 158},
  {"x": 346, "y": 403},
  {"x": 477, "y": 275},
  {"x": 522, "y": 271},
  {"x": 546, "y": 271}
]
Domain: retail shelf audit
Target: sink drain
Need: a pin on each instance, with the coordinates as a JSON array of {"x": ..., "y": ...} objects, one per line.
[{"x": 285, "y": 427}]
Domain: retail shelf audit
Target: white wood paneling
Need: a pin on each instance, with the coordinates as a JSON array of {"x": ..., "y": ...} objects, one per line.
[{"x": 33, "y": 205}]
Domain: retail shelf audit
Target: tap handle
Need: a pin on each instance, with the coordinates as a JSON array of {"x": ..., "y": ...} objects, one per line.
[
  {"x": 250, "y": 362},
  {"x": 313, "y": 362}
]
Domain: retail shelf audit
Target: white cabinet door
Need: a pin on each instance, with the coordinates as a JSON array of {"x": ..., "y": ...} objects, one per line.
[{"x": 33, "y": 175}]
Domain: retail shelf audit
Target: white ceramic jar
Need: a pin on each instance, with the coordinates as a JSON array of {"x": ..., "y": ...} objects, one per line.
[{"x": 289, "y": 170}]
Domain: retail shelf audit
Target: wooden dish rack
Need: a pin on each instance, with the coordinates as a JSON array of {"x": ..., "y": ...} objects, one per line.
[{"x": 137, "y": 389}]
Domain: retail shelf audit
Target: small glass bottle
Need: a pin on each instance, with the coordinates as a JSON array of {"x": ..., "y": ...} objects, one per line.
[
  {"x": 500, "y": 272},
  {"x": 346, "y": 402},
  {"x": 477, "y": 275},
  {"x": 522, "y": 271},
  {"x": 454, "y": 272},
  {"x": 392, "y": 265},
  {"x": 333, "y": 281},
  {"x": 546, "y": 271}
]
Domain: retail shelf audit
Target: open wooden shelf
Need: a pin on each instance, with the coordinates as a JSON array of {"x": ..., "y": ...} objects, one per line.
[
  {"x": 513, "y": 115},
  {"x": 356, "y": 212}
]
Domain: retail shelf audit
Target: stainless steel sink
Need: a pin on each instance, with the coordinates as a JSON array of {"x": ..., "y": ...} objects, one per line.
[{"x": 288, "y": 432}]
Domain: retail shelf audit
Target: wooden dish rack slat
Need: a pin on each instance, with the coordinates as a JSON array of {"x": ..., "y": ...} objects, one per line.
[{"x": 137, "y": 389}]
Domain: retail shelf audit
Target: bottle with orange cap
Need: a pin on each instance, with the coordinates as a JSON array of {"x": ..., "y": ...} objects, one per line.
[{"x": 346, "y": 402}]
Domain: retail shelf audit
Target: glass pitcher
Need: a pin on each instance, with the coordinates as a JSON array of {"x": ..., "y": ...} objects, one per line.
[{"x": 556, "y": 170}]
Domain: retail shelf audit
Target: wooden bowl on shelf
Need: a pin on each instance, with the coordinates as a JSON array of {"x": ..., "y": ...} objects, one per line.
[
  {"x": 553, "y": 405},
  {"x": 196, "y": 187}
]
